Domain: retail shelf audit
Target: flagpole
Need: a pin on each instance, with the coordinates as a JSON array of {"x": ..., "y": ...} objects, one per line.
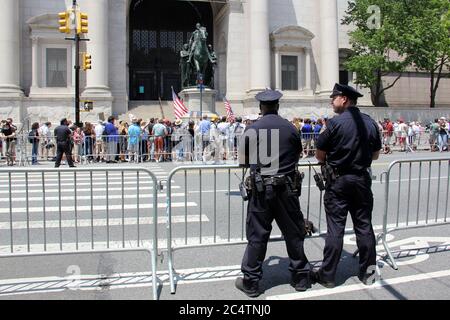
[{"x": 200, "y": 86}]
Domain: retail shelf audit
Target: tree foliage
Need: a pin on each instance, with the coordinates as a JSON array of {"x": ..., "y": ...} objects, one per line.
[
  {"x": 427, "y": 39},
  {"x": 391, "y": 35}
]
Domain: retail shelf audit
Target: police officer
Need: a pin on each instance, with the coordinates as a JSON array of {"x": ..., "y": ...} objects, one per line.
[
  {"x": 273, "y": 194},
  {"x": 346, "y": 149},
  {"x": 63, "y": 139}
]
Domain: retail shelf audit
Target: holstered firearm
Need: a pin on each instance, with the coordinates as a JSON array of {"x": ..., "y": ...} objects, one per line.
[
  {"x": 257, "y": 181},
  {"x": 295, "y": 183},
  {"x": 329, "y": 174}
]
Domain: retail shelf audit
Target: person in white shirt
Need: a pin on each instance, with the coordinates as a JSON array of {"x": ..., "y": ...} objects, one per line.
[
  {"x": 417, "y": 133},
  {"x": 402, "y": 132},
  {"x": 46, "y": 143},
  {"x": 213, "y": 150},
  {"x": 396, "y": 132},
  {"x": 224, "y": 132},
  {"x": 99, "y": 142},
  {"x": 236, "y": 131}
]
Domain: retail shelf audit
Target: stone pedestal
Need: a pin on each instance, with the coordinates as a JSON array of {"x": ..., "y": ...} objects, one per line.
[{"x": 191, "y": 99}]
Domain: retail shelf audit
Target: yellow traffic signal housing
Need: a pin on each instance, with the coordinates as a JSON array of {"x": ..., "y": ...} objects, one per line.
[
  {"x": 82, "y": 23},
  {"x": 64, "y": 22},
  {"x": 87, "y": 61}
]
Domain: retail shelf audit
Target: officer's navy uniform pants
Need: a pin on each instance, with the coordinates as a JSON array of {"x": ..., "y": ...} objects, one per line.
[
  {"x": 63, "y": 148},
  {"x": 349, "y": 193},
  {"x": 261, "y": 212}
]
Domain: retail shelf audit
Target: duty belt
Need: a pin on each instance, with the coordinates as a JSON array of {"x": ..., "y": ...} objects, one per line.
[
  {"x": 275, "y": 180},
  {"x": 349, "y": 171}
]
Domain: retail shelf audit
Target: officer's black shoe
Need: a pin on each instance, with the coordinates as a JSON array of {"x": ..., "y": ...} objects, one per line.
[
  {"x": 367, "y": 278},
  {"x": 301, "y": 281},
  {"x": 316, "y": 278},
  {"x": 250, "y": 288}
]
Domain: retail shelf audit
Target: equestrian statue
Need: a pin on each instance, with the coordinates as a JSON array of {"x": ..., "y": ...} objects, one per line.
[{"x": 197, "y": 60}]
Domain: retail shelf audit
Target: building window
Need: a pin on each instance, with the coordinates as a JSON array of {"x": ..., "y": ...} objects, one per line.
[
  {"x": 56, "y": 67},
  {"x": 289, "y": 70},
  {"x": 343, "y": 77}
]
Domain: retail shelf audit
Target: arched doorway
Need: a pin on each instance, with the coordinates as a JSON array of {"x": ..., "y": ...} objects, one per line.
[{"x": 158, "y": 30}]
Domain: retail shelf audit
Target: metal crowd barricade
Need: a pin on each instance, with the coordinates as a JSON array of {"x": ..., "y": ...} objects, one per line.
[
  {"x": 212, "y": 229},
  {"x": 423, "y": 206},
  {"x": 417, "y": 141},
  {"x": 175, "y": 148},
  {"x": 79, "y": 211},
  {"x": 309, "y": 141}
]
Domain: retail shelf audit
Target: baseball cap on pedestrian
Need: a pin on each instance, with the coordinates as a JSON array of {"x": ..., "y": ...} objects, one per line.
[{"x": 345, "y": 91}]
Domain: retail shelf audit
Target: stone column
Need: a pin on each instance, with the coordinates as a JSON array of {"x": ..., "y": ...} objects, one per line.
[
  {"x": 329, "y": 46},
  {"x": 277, "y": 70},
  {"x": 237, "y": 80},
  {"x": 35, "y": 63},
  {"x": 97, "y": 79},
  {"x": 259, "y": 45},
  {"x": 10, "y": 48},
  {"x": 308, "y": 73}
]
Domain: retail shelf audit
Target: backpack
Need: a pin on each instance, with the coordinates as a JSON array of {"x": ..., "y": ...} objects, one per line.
[{"x": 31, "y": 136}]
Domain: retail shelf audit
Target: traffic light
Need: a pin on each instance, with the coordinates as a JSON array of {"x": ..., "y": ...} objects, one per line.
[
  {"x": 82, "y": 23},
  {"x": 87, "y": 62},
  {"x": 64, "y": 22}
]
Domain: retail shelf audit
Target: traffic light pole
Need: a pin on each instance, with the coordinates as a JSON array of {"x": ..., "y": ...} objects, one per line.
[{"x": 77, "y": 80}]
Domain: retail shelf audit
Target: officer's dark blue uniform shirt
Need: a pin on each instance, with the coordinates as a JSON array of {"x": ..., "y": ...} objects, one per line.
[
  {"x": 350, "y": 140},
  {"x": 290, "y": 146}
]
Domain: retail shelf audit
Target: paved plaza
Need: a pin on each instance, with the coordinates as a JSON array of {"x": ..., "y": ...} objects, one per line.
[{"x": 205, "y": 208}]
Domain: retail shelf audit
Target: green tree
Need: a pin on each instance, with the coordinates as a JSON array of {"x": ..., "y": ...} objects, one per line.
[
  {"x": 374, "y": 44},
  {"x": 427, "y": 39}
]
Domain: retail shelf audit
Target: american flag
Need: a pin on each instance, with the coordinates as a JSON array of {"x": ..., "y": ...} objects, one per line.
[
  {"x": 179, "y": 108},
  {"x": 230, "y": 114}
]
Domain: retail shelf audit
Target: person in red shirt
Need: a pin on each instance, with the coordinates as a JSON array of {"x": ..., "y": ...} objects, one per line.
[{"x": 388, "y": 131}]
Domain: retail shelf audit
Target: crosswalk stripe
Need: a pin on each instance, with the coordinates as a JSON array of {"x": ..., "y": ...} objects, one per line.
[
  {"x": 87, "y": 246},
  {"x": 80, "y": 223},
  {"x": 102, "y": 178},
  {"x": 81, "y": 190},
  {"x": 102, "y": 197},
  {"x": 96, "y": 208},
  {"x": 79, "y": 184},
  {"x": 99, "y": 173}
]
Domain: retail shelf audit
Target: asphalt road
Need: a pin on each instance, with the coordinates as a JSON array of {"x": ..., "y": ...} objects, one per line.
[{"x": 206, "y": 208}]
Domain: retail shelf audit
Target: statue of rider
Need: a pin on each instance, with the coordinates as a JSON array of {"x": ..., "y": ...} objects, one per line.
[{"x": 193, "y": 40}]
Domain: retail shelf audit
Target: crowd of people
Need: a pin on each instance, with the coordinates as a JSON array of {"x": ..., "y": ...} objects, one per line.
[
  {"x": 155, "y": 140},
  {"x": 210, "y": 138},
  {"x": 409, "y": 135}
]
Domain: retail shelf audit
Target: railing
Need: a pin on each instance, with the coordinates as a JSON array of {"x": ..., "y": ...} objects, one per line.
[
  {"x": 225, "y": 227},
  {"x": 411, "y": 199},
  {"x": 79, "y": 211}
]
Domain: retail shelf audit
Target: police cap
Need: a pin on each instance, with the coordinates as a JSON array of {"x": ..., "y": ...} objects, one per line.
[
  {"x": 269, "y": 96},
  {"x": 346, "y": 91}
]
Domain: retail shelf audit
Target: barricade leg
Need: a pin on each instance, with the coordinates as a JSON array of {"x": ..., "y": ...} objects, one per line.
[
  {"x": 154, "y": 275},
  {"x": 388, "y": 252},
  {"x": 172, "y": 275}
]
